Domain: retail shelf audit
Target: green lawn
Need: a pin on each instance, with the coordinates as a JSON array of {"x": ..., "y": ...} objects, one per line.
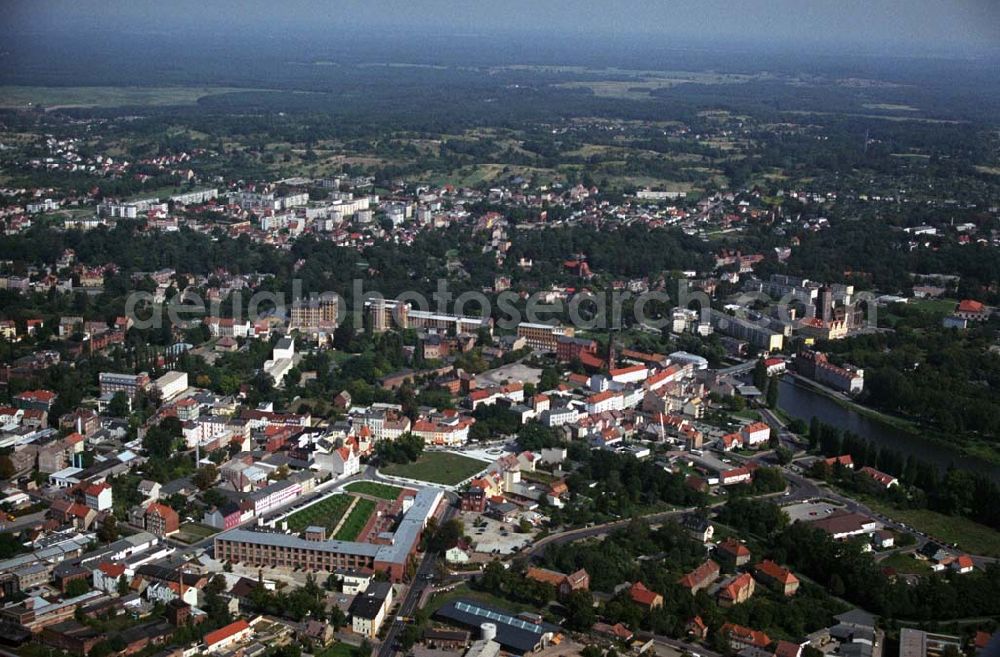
[
  {"x": 970, "y": 536},
  {"x": 325, "y": 513},
  {"x": 375, "y": 489},
  {"x": 356, "y": 520},
  {"x": 341, "y": 650},
  {"x": 438, "y": 468},
  {"x": 192, "y": 532},
  {"x": 906, "y": 564},
  {"x": 463, "y": 591}
]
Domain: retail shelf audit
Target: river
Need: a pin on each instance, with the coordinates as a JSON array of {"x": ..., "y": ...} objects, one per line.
[{"x": 801, "y": 401}]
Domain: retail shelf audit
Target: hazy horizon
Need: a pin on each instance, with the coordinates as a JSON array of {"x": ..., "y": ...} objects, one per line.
[{"x": 913, "y": 27}]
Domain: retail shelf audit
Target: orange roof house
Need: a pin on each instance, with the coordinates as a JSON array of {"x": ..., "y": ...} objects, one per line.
[
  {"x": 643, "y": 597},
  {"x": 777, "y": 577},
  {"x": 737, "y": 591},
  {"x": 700, "y": 577},
  {"x": 564, "y": 584}
]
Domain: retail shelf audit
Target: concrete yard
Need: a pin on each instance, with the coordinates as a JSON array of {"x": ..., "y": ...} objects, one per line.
[
  {"x": 808, "y": 511},
  {"x": 491, "y": 537},
  {"x": 511, "y": 372}
]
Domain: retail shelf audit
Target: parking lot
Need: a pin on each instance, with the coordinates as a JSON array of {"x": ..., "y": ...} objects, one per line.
[
  {"x": 809, "y": 511},
  {"x": 494, "y": 537},
  {"x": 511, "y": 372}
]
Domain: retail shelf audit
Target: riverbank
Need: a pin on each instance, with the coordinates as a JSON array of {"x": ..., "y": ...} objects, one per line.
[
  {"x": 805, "y": 399},
  {"x": 909, "y": 426}
]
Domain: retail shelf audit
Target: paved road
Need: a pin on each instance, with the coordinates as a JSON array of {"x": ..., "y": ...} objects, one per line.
[{"x": 413, "y": 593}]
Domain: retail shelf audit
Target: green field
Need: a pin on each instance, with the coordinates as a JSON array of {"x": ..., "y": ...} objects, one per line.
[
  {"x": 906, "y": 564},
  {"x": 341, "y": 650},
  {"x": 55, "y": 97},
  {"x": 462, "y": 591},
  {"x": 375, "y": 489},
  {"x": 356, "y": 520},
  {"x": 438, "y": 468},
  {"x": 325, "y": 513},
  {"x": 192, "y": 532},
  {"x": 970, "y": 536}
]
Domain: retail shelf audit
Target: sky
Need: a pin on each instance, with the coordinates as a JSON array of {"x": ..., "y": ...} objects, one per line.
[{"x": 877, "y": 25}]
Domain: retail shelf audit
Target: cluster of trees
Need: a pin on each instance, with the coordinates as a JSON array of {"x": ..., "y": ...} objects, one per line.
[
  {"x": 956, "y": 492},
  {"x": 306, "y": 601},
  {"x": 625, "y": 485},
  {"x": 847, "y": 571},
  {"x": 614, "y": 561},
  {"x": 405, "y": 449},
  {"x": 753, "y": 517}
]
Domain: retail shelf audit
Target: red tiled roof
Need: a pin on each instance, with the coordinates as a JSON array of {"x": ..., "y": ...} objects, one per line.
[
  {"x": 699, "y": 575},
  {"x": 756, "y": 426},
  {"x": 95, "y": 489},
  {"x": 787, "y": 649},
  {"x": 970, "y": 306},
  {"x": 546, "y": 576},
  {"x": 627, "y": 370},
  {"x": 736, "y": 585},
  {"x": 37, "y": 395},
  {"x": 880, "y": 477},
  {"x": 734, "y": 547},
  {"x": 776, "y": 572},
  {"x": 112, "y": 569},
  {"x": 643, "y": 596},
  {"x": 745, "y": 634},
  {"x": 224, "y": 633}
]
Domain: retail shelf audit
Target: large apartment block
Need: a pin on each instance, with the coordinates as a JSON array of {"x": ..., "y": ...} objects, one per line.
[
  {"x": 385, "y": 314},
  {"x": 543, "y": 336}
]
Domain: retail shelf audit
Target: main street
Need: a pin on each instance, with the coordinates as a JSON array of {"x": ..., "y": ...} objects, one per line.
[{"x": 413, "y": 592}]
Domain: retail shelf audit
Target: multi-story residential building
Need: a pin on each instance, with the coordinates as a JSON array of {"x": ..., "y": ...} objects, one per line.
[
  {"x": 701, "y": 577},
  {"x": 814, "y": 365},
  {"x": 312, "y": 313},
  {"x": 195, "y": 197},
  {"x": 98, "y": 496},
  {"x": 130, "y": 384},
  {"x": 369, "y": 608},
  {"x": 41, "y": 400},
  {"x": 608, "y": 400},
  {"x": 443, "y": 429},
  {"x": 171, "y": 384},
  {"x": 384, "y": 314},
  {"x": 755, "y": 434},
  {"x": 737, "y": 590},
  {"x": 757, "y": 334},
  {"x": 273, "y": 496},
  {"x": 161, "y": 520},
  {"x": 777, "y": 577},
  {"x": 741, "y": 637},
  {"x": 544, "y": 336}
]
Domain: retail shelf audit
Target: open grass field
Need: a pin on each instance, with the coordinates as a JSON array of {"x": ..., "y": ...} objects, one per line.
[
  {"x": 438, "y": 468},
  {"x": 970, "y": 536},
  {"x": 906, "y": 564},
  {"x": 463, "y": 591},
  {"x": 375, "y": 489},
  {"x": 341, "y": 650},
  {"x": 192, "y": 532},
  {"x": 356, "y": 520},
  {"x": 325, "y": 513},
  {"x": 56, "y": 97}
]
